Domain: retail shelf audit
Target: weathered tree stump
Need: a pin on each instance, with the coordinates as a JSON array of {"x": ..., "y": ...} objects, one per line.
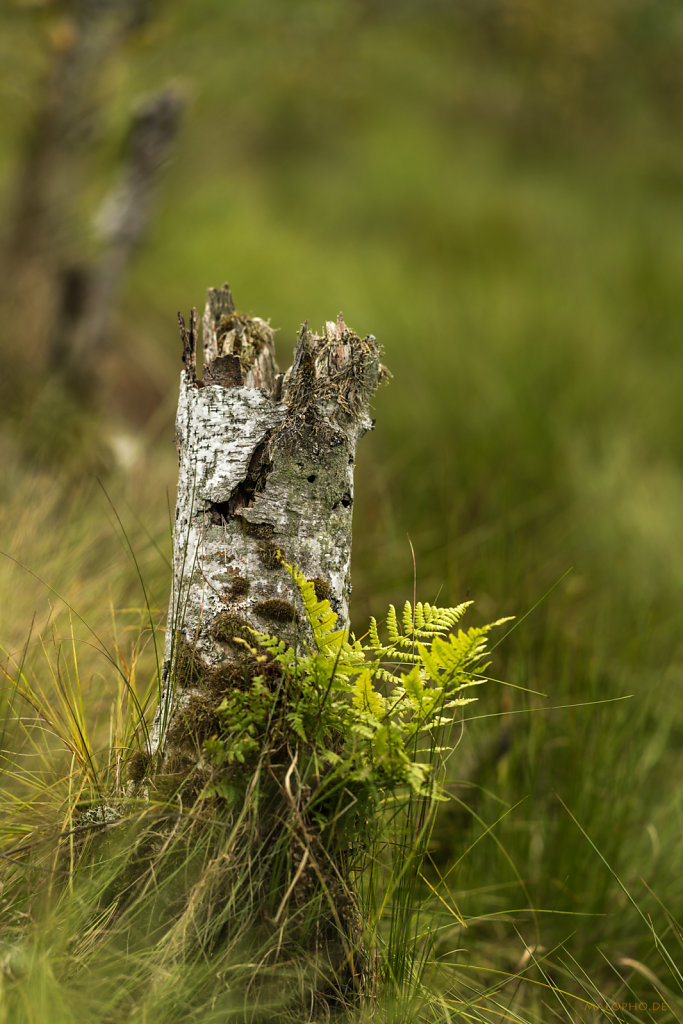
[{"x": 266, "y": 464}]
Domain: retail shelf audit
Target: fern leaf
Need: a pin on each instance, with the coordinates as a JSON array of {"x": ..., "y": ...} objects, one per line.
[
  {"x": 385, "y": 676},
  {"x": 365, "y": 696},
  {"x": 414, "y": 687},
  {"x": 408, "y": 624},
  {"x": 432, "y": 665},
  {"x": 373, "y": 634},
  {"x": 405, "y": 657},
  {"x": 392, "y": 625}
]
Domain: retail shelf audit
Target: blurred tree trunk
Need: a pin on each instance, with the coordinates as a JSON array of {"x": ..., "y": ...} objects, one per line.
[
  {"x": 266, "y": 466},
  {"x": 59, "y": 275},
  {"x": 88, "y": 292}
]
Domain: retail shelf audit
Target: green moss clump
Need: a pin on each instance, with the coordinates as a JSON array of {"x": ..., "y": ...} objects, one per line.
[
  {"x": 322, "y": 588},
  {"x": 275, "y": 608},
  {"x": 228, "y": 628}
]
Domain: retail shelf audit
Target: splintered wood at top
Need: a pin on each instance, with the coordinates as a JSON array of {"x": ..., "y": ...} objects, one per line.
[{"x": 189, "y": 338}]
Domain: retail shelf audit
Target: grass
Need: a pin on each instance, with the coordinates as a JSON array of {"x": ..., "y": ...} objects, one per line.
[
  {"x": 122, "y": 899},
  {"x": 93, "y": 940},
  {"x": 512, "y": 235}
]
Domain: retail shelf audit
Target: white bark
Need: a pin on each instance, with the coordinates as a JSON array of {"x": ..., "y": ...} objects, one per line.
[{"x": 265, "y": 465}]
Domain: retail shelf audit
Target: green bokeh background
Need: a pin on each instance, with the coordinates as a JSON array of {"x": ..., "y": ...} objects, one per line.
[{"x": 494, "y": 189}]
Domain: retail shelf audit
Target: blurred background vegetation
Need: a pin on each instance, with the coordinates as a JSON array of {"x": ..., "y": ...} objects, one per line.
[{"x": 494, "y": 188}]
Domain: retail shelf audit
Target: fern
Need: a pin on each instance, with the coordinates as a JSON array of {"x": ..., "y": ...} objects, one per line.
[
  {"x": 366, "y": 699},
  {"x": 373, "y": 701},
  {"x": 423, "y": 623},
  {"x": 321, "y": 618}
]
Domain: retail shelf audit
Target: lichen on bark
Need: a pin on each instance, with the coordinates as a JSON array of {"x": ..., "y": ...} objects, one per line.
[{"x": 266, "y": 463}]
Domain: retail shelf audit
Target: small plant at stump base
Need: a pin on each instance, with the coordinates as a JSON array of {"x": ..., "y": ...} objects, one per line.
[{"x": 349, "y": 732}]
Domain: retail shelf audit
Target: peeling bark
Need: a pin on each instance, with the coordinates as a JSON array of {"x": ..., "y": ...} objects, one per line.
[{"x": 265, "y": 467}]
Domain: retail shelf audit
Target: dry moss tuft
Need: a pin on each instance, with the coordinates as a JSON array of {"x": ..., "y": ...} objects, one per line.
[
  {"x": 228, "y": 675},
  {"x": 189, "y": 668},
  {"x": 239, "y": 587},
  {"x": 240, "y": 335},
  {"x": 321, "y": 587},
  {"x": 227, "y": 628},
  {"x": 198, "y": 716},
  {"x": 137, "y": 765},
  {"x": 276, "y": 609},
  {"x": 270, "y": 556},
  {"x": 264, "y": 531}
]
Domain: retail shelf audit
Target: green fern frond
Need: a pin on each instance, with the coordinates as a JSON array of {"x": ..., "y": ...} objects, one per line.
[
  {"x": 392, "y": 625},
  {"x": 424, "y": 622},
  {"x": 366, "y": 698},
  {"x": 384, "y": 675},
  {"x": 388, "y": 700},
  {"x": 442, "y": 620},
  {"x": 413, "y": 685},
  {"x": 322, "y": 619}
]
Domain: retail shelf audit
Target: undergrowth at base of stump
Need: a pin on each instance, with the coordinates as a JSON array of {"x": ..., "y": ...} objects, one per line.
[{"x": 272, "y": 851}]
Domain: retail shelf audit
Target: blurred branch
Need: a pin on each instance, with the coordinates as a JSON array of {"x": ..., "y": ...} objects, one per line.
[
  {"x": 80, "y": 39},
  {"x": 58, "y": 279},
  {"x": 89, "y": 296}
]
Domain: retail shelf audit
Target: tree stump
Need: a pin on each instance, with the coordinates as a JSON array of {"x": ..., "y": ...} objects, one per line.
[{"x": 266, "y": 465}]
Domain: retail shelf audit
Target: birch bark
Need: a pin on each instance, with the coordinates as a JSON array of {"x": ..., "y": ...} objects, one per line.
[{"x": 266, "y": 463}]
